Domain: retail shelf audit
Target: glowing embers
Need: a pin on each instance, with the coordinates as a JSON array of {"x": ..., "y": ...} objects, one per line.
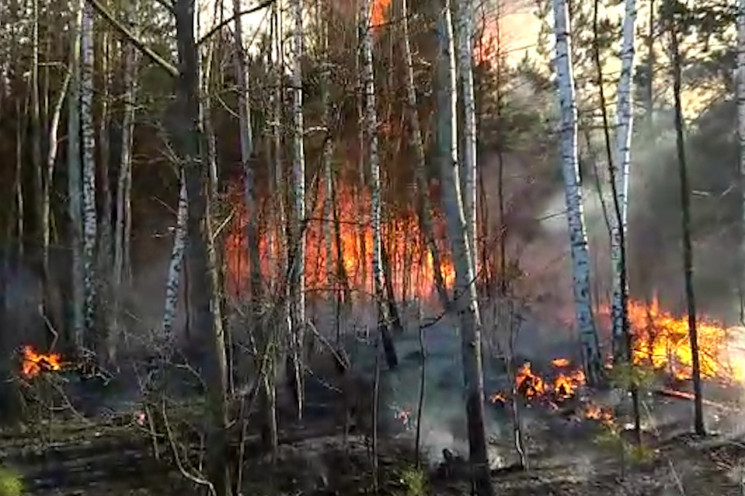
[
  {"x": 532, "y": 386},
  {"x": 662, "y": 341},
  {"x": 33, "y": 363}
]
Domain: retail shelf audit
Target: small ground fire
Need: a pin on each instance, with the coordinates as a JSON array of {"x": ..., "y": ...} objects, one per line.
[{"x": 34, "y": 363}]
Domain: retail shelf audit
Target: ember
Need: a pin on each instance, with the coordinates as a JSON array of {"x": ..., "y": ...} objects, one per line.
[
  {"x": 593, "y": 411},
  {"x": 35, "y": 363},
  {"x": 497, "y": 398}
]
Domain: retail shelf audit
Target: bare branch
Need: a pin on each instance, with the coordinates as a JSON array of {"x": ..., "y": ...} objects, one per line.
[
  {"x": 264, "y": 4},
  {"x": 163, "y": 63}
]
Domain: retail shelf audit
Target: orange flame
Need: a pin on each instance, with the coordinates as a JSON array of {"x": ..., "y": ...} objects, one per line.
[
  {"x": 593, "y": 411},
  {"x": 410, "y": 261},
  {"x": 528, "y": 383},
  {"x": 35, "y": 363},
  {"x": 379, "y": 10},
  {"x": 498, "y": 398},
  {"x": 560, "y": 362},
  {"x": 661, "y": 340}
]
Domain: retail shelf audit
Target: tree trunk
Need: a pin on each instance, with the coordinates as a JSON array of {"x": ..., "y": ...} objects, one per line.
[
  {"x": 47, "y": 181},
  {"x": 624, "y": 126},
  {"x": 740, "y": 95},
  {"x": 297, "y": 244},
  {"x": 685, "y": 210},
  {"x": 466, "y": 300},
  {"x": 89, "y": 178},
  {"x": 200, "y": 257},
  {"x": 107, "y": 344},
  {"x": 649, "y": 90},
  {"x": 173, "y": 281},
  {"x": 424, "y": 205},
  {"x": 269, "y": 420},
  {"x": 124, "y": 178},
  {"x": 371, "y": 137},
  {"x": 74, "y": 185},
  {"x": 573, "y": 192},
  {"x": 36, "y": 159},
  {"x": 463, "y": 34}
]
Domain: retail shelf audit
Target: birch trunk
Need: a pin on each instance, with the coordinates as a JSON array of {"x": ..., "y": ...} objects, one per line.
[
  {"x": 297, "y": 244},
  {"x": 89, "y": 174},
  {"x": 371, "y": 136},
  {"x": 200, "y": 254},
  {"x": 740, "y": 89},
  {"x": 74, "y": 184},
  {"x": 269, "y": 421},
  {"x": 47, "y": 181},
  {"x": 175, "y": 264},
  {"x": 124, "y": 177},
  {"x": 573, "y": 192},
  {"x": 424, "y": 204},
  {"x": 466, "y": 302},
  {"x": 624, "y": 125},
  {"x": 463, "y": 35}
]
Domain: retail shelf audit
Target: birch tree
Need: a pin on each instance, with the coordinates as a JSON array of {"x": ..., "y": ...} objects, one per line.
[
  {"x": 740, "y": 89},
  {"x": 297, "y": 245},
  {"x": 269, "y": 423},
  {"x": 465, "y": 298},
  {"x": 175, "y": 263},
  {"x": 424, "y": 206},
  {"x": 123, "y": 218},
  {"x": 573, "y": 193},
  {"x": 464, "y": 19},
  {"x": 371, "y": 141},
  {"x": 74, "y": 182},
  {"x": 89, "y": 169},
  {"x": 619, "y": 229}
]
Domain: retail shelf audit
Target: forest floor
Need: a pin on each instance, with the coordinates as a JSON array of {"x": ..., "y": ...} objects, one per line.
[{"x": 95, "y": 459}]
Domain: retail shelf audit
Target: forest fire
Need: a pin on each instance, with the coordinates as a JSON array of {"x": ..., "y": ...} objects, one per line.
[
  {"x": 410, "y": 263},
  {"x": 34, "y": 363},
  {"x": 532, "y": 386},
  {"x": 593, "y": 411},
  {"x": 662, "y": 342},
  {"x": 379, "y": 11}
]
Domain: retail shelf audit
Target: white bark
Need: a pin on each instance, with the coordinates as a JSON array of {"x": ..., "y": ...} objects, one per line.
[
  {"x": 371, "y": 132},
  {"x": 297, "y": 283},
  {"x": 463, "y": 35},
  {"x": 74, "y": 184},
  {"x": 740, "y": 90},
  {"x": 573, "y": 192},
  {"x": 624, "y": 125},
  {"x": 124, "y": 179},
  {"x": 370, "y": 127},
  {"x": 176, "y": 263},
  {"x": 89, "y": 169},
  {"x": 465, "y": 299}
]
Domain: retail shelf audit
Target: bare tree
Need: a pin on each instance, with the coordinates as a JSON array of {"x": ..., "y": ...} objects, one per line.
[
  {"x": 573, "y": 192},
  {"x": 466, "y": 303},
  {"x": 685, "y": 211},
  {"x": 371, "y": 140},
  {"x": 297, "y": 244},
  {"x": 74, "y": 183},
  {"x": 464, "y": 20},
  {"x": 90, "y": 223}
]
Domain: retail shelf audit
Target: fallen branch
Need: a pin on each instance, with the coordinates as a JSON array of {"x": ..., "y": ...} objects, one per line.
[{"x": 684, "y": 395}]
